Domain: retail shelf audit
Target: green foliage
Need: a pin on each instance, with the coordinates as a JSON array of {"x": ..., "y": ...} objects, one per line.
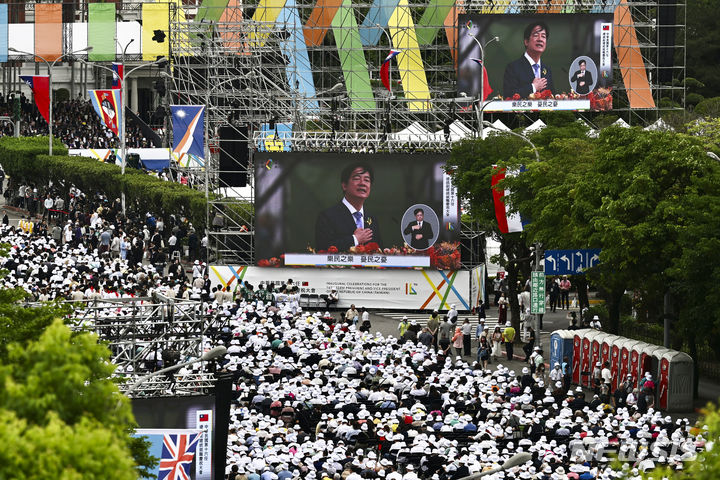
[
  {"x": 692, "y": 99},
  {"x": 63, "y": 414},
  {"x": 82, "y": 451},
  {"x": 703, "y": 45},
  {"x": 647, "y": 199},
  {"x": 709, "y": 107}
]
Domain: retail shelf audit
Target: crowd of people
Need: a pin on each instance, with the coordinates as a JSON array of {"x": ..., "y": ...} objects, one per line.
[
  {"x": 320, "y": 396},
  {"x": 75, "y": 124}
]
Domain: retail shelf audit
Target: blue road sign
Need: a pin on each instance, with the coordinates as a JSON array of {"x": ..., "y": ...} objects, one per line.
[{"x": 570, "y": 262}]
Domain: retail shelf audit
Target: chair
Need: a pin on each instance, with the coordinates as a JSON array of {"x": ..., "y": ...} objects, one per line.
[{"x": 175, "y": 255}]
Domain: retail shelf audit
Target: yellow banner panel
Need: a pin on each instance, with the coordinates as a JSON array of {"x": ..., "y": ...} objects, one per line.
[
  {"x": 266, "y": 13},
  {"x": 155, "y": 28},
  {"x": 410, "y": 64}
]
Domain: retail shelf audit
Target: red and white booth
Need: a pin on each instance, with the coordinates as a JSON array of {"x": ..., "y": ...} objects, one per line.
[{"x": 672, "y": 370}]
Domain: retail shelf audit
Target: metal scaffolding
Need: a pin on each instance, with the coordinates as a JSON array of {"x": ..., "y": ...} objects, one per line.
[
  {"x": 144, "y": 334},
  {"x": 315, "y": 66}
]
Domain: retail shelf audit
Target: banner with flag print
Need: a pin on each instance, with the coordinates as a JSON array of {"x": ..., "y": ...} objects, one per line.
[
  {"x": 118, "y": 73},
  {"x": 107, "y": 105},
  {"x": 40, "y": 86},
  {"x": 177, "y": 456},
  {"x": 385, "y": 68},
  {"x": 507, "y": 222},
  {"x": 188, "y": 123}
]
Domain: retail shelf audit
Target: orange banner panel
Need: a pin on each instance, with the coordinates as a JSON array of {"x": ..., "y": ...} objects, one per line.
[
  {"x": 452, "y": 28},
  {"x": 319, "y": 21},
  {"x": 630, "y": 59},
  {"x": 48, "y": 31}
]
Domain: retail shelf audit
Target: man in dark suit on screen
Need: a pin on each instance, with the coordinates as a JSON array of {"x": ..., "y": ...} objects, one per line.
[
  {"x": 419, "y": 230},
  {"x": 529, "y": 74},
  {"x": 582, "y": 79},
  {"x": 347, "y": 224}
]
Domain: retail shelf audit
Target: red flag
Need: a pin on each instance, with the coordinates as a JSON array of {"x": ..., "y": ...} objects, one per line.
[
  {"x": 385, "y": 68},
  {"x": 487, "y": 89},
  {"x": 40, "y": 86}
]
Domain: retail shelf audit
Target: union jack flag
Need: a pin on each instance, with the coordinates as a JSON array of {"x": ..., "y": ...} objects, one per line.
[{"x": 177, "y": 456}]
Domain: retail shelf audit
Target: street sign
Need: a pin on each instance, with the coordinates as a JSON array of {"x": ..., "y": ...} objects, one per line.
[
  {"x": 537, "y": 293},
  {"x": 570, "y": 262}
]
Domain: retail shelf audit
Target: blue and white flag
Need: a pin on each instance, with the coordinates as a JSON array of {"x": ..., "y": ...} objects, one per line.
[{"x": 188, "y": 123}]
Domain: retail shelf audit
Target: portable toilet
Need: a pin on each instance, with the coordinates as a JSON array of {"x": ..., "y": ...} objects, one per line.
[
  {"x": 675, "y": 384},
  {"x": 577, "y": 353},
  {"x": 561, "y": 345},
  {"x": 585, "y": 359},
  {"x": 615, "y": 362},
  {"x": 626, "y": 348},
  {"x": 634, "y": 366},
  {"x": 592, "y": 336},
  {"x": 649, "y": 362}
]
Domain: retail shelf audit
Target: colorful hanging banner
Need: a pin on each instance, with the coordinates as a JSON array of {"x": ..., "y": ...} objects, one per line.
[
  {"x": 107, "y": 105},
  {"x": 40, "y": 86},
  {"x": 118, "y": 74},
  {"x": 188, "y": 122}
]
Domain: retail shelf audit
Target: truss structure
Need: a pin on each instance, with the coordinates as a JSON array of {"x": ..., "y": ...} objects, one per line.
[
  {"x": 143, "y": 332},
  {"x": 314, "y": 66}
]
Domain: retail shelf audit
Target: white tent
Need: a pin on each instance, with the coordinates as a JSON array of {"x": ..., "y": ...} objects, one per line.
[
  {"x": 414, "y": 133},
  {"x": 621, "y": 123},
  {"x": 458, "y": 131},
  {"x": 660, "y": 125},
  {"x": 500, "y": 126},
  {"x": 538, "y": 125}
]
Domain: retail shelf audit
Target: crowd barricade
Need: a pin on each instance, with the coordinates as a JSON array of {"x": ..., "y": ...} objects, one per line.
[{"x": 672, "y": 370}]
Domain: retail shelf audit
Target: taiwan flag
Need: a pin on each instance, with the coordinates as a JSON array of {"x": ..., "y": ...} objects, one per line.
[
  {"x": 107, "y": 105},
  {"x": 385, "y": 68},
  {"x": 40, "y": 86},
  {"x": 507, "y": 222},
  {"x": 117, "y": 78}
]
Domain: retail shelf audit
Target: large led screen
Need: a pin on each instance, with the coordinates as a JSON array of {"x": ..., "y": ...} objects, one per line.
[
  {"x": 537, "y": 62},
  {"x": 355, "y": 210}
]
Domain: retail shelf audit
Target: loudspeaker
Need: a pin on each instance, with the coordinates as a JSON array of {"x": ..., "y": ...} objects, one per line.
[{"x": 234, "y": 156}]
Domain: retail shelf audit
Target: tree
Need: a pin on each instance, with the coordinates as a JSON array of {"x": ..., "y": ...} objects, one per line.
[
  {"x": 471, "y": 165},
  {"x": 623, "y": 193},
  {"x": 65, "y": 415},
  {"x": 703, "y": 45}
]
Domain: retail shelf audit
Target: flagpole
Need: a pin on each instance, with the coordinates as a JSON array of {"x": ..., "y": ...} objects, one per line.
[
  {"x": 50, "y": 86},
  {"x": 481, "y": 99}
]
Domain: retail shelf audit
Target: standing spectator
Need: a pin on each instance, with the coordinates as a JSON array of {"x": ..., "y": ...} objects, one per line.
[
  {"x": 483, "y": 351},
  {"x": 352, "y": 315},
  {"x": 457, "y": 342},
  {"x": 554, "y": 294},
  {"x": 509, "y": 338},
  {"x": 47, "y": 206},
  {"x": 444, "y": 335},
  {"x": 433, "y": 324},
  {"x": 467, "y": 337},
  {"x": 497, "y": 288},
  {"x": 497, "y": 337},
  {"x": 530, "y": 344},
  {"x": 480, "y": 329},
  {"x": 502, "y": 310},
  {"x": 452, "y": 314},
  {"x": 565, "y": 286}
]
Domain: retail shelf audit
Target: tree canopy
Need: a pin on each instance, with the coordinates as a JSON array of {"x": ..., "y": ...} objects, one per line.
[{"x": 648, "y": 200}]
